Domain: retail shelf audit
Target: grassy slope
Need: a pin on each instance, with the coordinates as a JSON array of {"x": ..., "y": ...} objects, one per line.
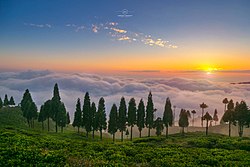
[{"x": 22, "y": 146}]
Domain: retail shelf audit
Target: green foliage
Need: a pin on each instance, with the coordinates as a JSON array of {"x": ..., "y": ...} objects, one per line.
[
  {"x": 78, "y": 115},
  {"x": 158, "y": 125},
  {"x": 168, "y": 115},
  {"x": 86, "y": 112},
  {"x": 131, "y": 115},
  {"x": 122, "y": 116},
  {"x": 1, "y": 103},
  {"x": 27, "y": 148},
  {"x": 6, "y": 101},
  {"x": 183, "y": 120},
  {"x": 68, "y": 119},
  {"x": 149, "y": 113},
  {"x": 141, "y": 116},
  {"x": 113, "y": 121},
  {"x": 11, "y": 102},
  {"x": 242, "y": 114},
  {"x": 101, "y": 116}
]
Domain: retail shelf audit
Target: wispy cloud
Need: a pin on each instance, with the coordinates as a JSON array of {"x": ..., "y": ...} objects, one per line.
[
  {"x": 118, "y": 30},
  {"x": 38, "y": 25},
  {"x": 95, "y": 28}
]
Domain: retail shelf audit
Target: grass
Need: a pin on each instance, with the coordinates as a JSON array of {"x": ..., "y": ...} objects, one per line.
[{"x": 21, "y": 146}]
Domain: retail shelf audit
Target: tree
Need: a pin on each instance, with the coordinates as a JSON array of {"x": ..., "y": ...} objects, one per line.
[
  {"x": 68, "y": 119},
  {"x": 193, "y": 112},
  {"x": 1, "y": 103},
  {"x": 122, "y": 116},
  {"x": 208, "y": 118},
  {"x": 101, "y": 116},
  {"x": 42, "y": 116},
  {"x": 56, "y": 105},
  {"x": 131, "y": 115},
  {"x": 229, "y": 116},
  {"x": 215, "y": 117},
  {"x": 113, "y": 121},
  {"x": 6, "y": 101},
  {"x": 48, "y": 110},
  {"x": 11, "y": 102},
  {"x": 241, "y": 115},
  {"x": 62, "y": 117},
  {"x": 141, "y": 116},
  {"x": 78, "y": 115},
  {"x": 158, "y": 125},
  {"x": 94, "y": 119},
  {"x": 167, "y": 115},
  {"x": 150, "y": 113},
  {"x": 203, "y": 106},
  {"x": 86, "y": 112},
  {"x": 225, "y": 102},
  {"x": 29, "y": 108},
  {"x": 183, "y": 120}
]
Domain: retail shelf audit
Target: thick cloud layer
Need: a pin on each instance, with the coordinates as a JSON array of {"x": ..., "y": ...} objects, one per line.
[{"x": 183, "y": 92}]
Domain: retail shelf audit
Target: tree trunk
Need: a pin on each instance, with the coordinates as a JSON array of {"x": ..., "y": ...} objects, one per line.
[
  {"x": 166, "y": 131},
  {"x": 149, "y": 132},
  {"x": 131, "y": 132},
  {"x": 182, "y": 131},
  {"x": 229, "y": 129},
  {"x": 101, "y": 134},
  {"x": 48, "y": 124},
  {"x": 114, "y": 137},
  {"x": 93, "y": 134},
  {"x": 202, "y": 117},
  {"x": 193, "y": 119},
  {"x": 225, "y": 107},
  {"x": 78, "y": 129},
  {"x": 61, "y": 129},
  {"x": 207, "y": 128},
  {"x": 122, "y": 135},
  {"x": 140, "y": 133},
  {"x": 240, "y": 130},
  {"x": 87, "y": 134}
]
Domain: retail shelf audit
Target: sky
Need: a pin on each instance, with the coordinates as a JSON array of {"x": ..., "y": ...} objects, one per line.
[
  {"x": 189, "y": 50},
  {"x": 129, "y": 35}
]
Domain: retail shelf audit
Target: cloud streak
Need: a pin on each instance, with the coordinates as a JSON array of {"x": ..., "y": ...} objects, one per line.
[{"x": 38, "y": 25}]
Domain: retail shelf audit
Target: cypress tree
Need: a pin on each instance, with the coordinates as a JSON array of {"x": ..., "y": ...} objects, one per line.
[
  {"x": 94, "y": 125},
  {"x": 29, "y": 108},
  {"x": 78, "y": 116},
  {"x": 62, "y": 117},
  {"x": 141, "y": 116},
  {"x": 87, "y": 120},
  {"x": 68, "y": 119},
  {"x": 1, "y": 103},
  {"x": 11, "y": 102},
  {"x": 113, "y": 121},
  {"x": 101, "y": 116},
  {"x": 48, "y": 111},
  {"x": 158, "y": 125},
  {"x": 131, "y": 116},
  {"x": 56, "y": 105},
  {"x": 168, "y": 115},
  {"x": 122, "y": 117},
  {"x": 6, "y": 101},
  {"x": 150, "y": 113},
  {"x": 42, "y": 116}
]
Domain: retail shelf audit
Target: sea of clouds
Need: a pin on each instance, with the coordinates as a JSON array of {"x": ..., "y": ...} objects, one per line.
[{"x": 183, "y": 92}]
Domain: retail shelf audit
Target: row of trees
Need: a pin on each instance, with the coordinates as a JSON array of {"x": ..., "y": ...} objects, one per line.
[
  {"x": 93, "y": 119},
  {"x": 6, "y": 101},
  {"x": 53, "y": 108}
]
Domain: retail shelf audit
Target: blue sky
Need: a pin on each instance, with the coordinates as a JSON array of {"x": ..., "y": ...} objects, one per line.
[{"x": 194, "y": 26}]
